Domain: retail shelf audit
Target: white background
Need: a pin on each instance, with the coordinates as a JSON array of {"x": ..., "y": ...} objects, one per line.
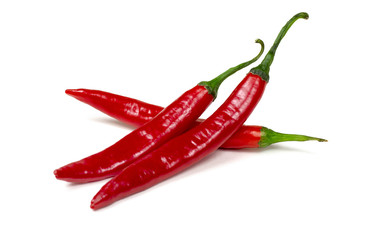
[{"x": 154, "y": 51}]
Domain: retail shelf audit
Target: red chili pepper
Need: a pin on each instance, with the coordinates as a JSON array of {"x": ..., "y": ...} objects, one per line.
[
  {"x": 187, "y": 149},
  {"x": 172, "y": 121},
  {"x": 137, "y": 113}
]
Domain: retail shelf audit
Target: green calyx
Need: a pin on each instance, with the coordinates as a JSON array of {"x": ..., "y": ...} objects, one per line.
[
  {"x": 213, "y": 85},
  {"x": 269, "y": 137},
  {"x": 262, "y": 69}
]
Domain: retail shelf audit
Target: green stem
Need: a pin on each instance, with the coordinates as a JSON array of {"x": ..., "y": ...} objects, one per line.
[
  {"x": 213, "y": 85},
  {"x": 263, "y": 69},
  {"x": 269, "y": 137}
]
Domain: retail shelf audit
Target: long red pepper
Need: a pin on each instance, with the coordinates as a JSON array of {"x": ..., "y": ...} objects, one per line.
[
  {"x": 172, "y": 121},
  {"x": 137, "y": 113},
  {"x": 193, "y": 145}
]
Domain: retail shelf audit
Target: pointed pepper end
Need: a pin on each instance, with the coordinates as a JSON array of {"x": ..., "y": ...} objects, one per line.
[
  {"x": 98, "y": 202},
  {"x": 71, "y": 92},
  {"x": 57, "y": 173},
  {"x": 322, "y": 140},
  {"x": 76, "y": 93}
]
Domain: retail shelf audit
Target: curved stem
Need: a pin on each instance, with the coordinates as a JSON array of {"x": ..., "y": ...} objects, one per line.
[
  {"x": 263, "y": 69},
  {"x": 213, "y": 85}
]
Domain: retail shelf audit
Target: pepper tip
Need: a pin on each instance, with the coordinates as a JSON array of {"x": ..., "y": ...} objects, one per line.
[
  {"x": 56, "y": 173},
  {"x": 76, "y": 93},
  {"x": 69, "y": 91},
  {"x": 92, "y": 205},
  {"x": 95, "y": 203}
]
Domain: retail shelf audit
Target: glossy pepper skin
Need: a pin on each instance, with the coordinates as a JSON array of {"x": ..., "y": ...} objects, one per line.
[
  {"x": 186, "y": 149},
  {"x": 137, "y": 113},
  {"x": 172, "y": 121},
  {"x": 124, "y": 109},
  {"x": 196, "y": 143}
]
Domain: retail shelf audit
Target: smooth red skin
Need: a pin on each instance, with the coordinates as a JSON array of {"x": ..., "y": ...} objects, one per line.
[
  {"x": 193, "y": 146},
  {"x": 172, "y": 121},
  {"x": 137, "y": 113},
  {"x": 124, "y": 109},
  {"x": 246, "y": 137}
]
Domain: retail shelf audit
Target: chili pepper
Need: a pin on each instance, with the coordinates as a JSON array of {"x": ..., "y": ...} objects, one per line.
[
  {"x": 187, "y": 149},
  {"x": 137, "y": 113},
  {"x": 172, "y": 121}
]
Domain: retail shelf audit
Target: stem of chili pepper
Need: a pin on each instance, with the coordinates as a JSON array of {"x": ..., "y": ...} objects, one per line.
[
  {"x": 172, "y": 121},
  {"x": 137, "y": 113},
  {"x": 270, "y": 137},
  {"x": 189, "y": 148},
  {"x": 263, "y": 68},
  {"x": 213, "y": 85}
]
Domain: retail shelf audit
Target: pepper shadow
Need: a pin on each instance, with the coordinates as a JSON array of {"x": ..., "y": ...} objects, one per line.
[
  {"x": 98, "y": 184},
  {"x": 223, "y": 157}
]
